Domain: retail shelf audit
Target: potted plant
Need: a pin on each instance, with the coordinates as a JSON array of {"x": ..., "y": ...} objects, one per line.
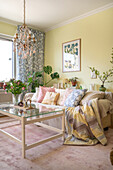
[
  {"x": 103, "y": 77},
  {"x": 73, "y": 81}
]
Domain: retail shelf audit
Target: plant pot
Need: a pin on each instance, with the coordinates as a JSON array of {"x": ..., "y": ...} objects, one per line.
[
  {"x": 1, "y": 85},
  {"x": 102, "y": 88},
  {"x": 74, "y": 83}
]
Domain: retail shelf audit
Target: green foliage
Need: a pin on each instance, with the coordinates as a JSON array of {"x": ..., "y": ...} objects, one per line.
[
  {"x": 54, "y": 75},
  {"x": 104, "y": 76},
  {"x": 15, "y": 86},
  {"x": 112, "y": 57},
  {"x": 34, "y": 78},
  {"x": 73, "y": 79},
  {"x": 47, "y": 69}
]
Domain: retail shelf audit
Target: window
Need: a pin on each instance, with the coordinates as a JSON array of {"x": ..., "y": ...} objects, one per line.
[{"x": 6, "y": 59}]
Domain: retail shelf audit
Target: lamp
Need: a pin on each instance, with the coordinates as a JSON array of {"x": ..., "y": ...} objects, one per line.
[{"x": 24, "y": 40}]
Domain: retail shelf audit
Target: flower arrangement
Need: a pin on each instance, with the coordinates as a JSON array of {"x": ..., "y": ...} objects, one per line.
[{"x": 15, "y": 86}]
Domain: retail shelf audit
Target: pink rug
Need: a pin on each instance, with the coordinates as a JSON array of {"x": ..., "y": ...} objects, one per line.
[{"x": 52, "y": 155}]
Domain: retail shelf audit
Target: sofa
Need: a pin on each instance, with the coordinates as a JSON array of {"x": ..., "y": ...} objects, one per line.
[{"x": 105, "y": 103}]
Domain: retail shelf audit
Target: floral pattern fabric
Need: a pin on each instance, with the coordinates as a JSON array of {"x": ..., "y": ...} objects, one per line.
[{"x": 74, "y": 98}]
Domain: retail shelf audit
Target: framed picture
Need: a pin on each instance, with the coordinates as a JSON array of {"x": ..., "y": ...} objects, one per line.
[{"x": 71, "y": 56}]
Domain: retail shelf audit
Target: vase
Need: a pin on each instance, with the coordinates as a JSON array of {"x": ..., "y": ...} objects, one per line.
[
  {"x": 102, "y": 88},
  {"x": 15, "y": 99}
]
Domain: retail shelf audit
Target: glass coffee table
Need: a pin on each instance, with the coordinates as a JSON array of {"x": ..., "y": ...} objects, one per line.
[{"x": 29, "y": 116}]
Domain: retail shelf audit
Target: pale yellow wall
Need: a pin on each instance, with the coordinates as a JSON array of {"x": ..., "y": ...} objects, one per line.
[
  {"x": 96, "y": 33},
  {"x": 7, "y": 29}
]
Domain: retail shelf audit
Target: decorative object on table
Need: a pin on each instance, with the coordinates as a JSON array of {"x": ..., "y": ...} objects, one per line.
[
  {"x": 20, "y": 104},
  {"x": 73, "y": 81},
  {"x": 24, "y": 40},
  {"x": 26, "y": 105},
  {"x": 71, "y": 51},
  {"x": 16, "y": 87},
  {"x": 93, "y": 74}
]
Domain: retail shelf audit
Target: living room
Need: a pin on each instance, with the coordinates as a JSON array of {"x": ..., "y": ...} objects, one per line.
[{"x": 90, "y": 25}]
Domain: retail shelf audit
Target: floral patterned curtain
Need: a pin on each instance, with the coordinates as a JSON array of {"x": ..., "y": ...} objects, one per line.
[{"x": 34, "y": 62}]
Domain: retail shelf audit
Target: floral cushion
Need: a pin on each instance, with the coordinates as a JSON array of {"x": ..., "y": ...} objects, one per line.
[{"x": 74, "y": 98}]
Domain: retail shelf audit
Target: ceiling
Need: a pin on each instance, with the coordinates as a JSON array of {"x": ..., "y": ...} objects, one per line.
[{"x": 49, "y": 14}]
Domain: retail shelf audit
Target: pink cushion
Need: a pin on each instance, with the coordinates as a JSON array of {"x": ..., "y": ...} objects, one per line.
[
  {"x": 42, "y": 92},
  {"x": 67, "y": 92}
]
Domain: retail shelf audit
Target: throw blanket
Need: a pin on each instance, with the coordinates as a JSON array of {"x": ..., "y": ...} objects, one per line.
[{"x": 83, "y": 125}]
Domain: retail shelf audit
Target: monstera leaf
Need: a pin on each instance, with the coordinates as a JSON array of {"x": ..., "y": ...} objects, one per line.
[
  {"x": 54, "y": 75},
  {"x": 39, "y": 74},
  {"x": 47, "y": 69}
]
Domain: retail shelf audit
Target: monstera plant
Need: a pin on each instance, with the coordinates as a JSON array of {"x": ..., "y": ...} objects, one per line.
[
  {"x": 48, "y": 70},
  {"x": 34, "y": 79}
]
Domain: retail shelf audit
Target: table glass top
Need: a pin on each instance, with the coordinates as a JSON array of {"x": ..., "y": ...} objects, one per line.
[{"x": 21, "y": 111}]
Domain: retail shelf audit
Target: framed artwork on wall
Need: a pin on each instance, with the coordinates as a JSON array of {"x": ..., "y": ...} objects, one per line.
[{"x": 71, "y": 56}]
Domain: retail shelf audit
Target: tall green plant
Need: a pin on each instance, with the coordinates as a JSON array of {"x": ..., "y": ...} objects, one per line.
[{"x": 34, "y": 79}]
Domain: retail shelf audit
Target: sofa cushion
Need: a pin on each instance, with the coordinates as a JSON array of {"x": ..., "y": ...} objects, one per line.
[
  {"x": 66, "y": 94},
  {"x": 74, "y": 98},
  {"x": 42, "y": 92},
  {"x": 51, "y": 98},
  {"x": 60, "y": 99},
  {"x": 92, "y": 95}
]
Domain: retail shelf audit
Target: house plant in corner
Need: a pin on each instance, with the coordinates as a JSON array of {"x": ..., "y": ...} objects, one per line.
[{"x": 16, "y": 87}]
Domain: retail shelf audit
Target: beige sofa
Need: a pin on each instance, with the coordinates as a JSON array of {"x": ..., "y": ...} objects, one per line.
[{"x": 105, "y": 104}]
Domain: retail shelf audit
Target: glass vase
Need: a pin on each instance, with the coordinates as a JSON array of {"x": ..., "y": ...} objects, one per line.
[{"x": 15, "y": 99}]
